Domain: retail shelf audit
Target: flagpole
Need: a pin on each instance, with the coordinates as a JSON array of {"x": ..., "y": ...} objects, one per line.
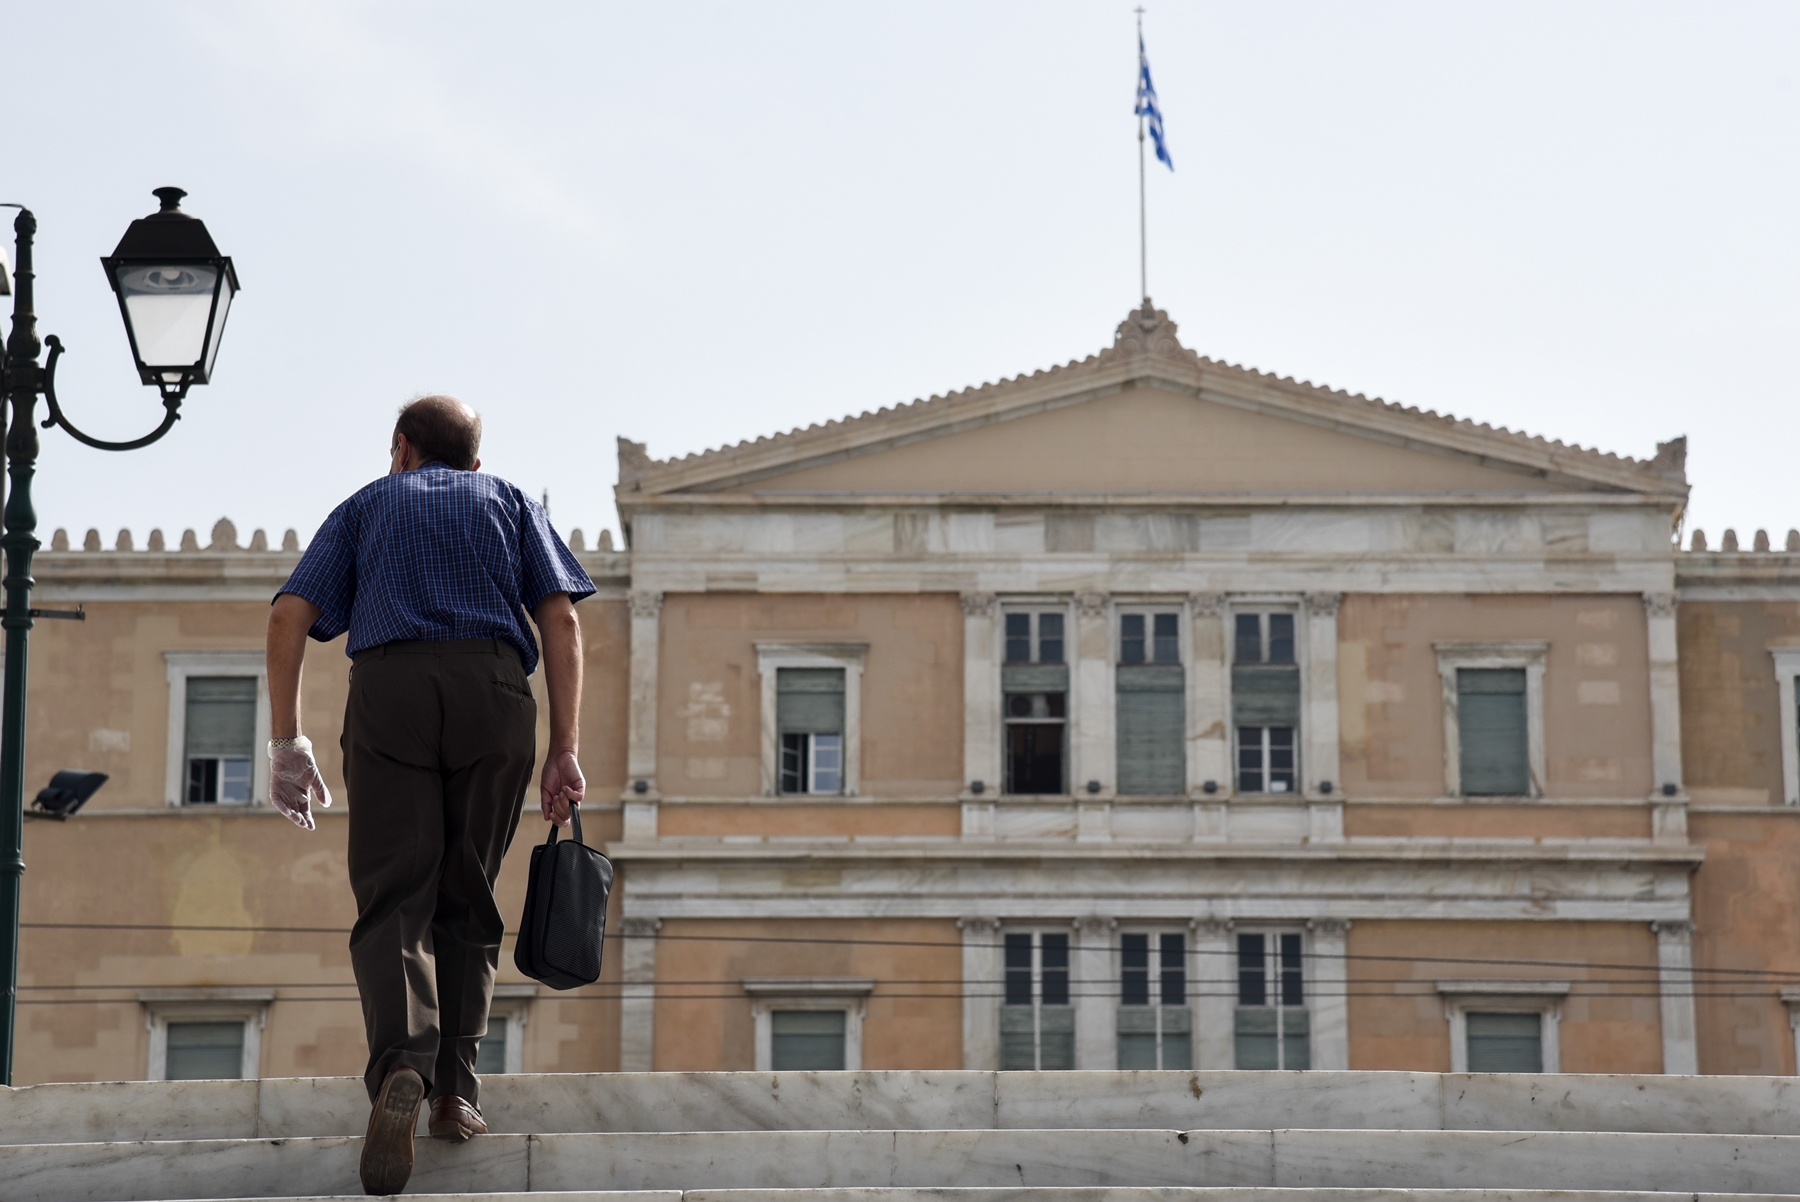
[{"x": 1143, "y": 235}]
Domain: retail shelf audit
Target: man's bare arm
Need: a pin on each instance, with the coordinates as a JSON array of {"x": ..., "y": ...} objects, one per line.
[
  {"x": 289, "y": 620},
  {"x": 560, "y": 631}
]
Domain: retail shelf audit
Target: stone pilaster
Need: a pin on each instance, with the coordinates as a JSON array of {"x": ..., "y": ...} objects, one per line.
[
  {"x": 637, "y": 994},
  {"x": 1208, "y": 694},
  {"x": 1096, "y": 994},
  {"x": 981, "y": 695},
  {"x": 1093, "y": 751},
  {"x": 1330, "y": 1007},
  {"x": 1320, "y": 767},
  {"x": 983, "y": 980},
  {"x": 1665, "y": 697},
  {"x": 1675, "y": 973},
  {"x": 646, "y": 642},
  {"x": 1215, "y": 994}
]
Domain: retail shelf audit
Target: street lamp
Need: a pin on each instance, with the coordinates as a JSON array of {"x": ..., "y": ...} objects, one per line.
[{"x": 174, "y": 290}]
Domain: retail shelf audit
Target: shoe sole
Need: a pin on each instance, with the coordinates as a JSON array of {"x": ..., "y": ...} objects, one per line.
[{"x": 387, "y": 1155}]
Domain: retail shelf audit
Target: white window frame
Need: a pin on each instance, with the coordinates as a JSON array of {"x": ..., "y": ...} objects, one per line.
[
  {"x": 1787, "y": 667},
  {"x": 1037, "y": 933},
  {"x": 770, "y": 659},
  {"x": 1272, "y": 934},
  {"x": 183, "y": 664},
  {"x": 1280, "y": 604},
  {"x": 1790, "y": 997},
  {"x": 1528, "y": 654},
  {"x": 1148, "y": 611},
  {"x": 1071, "y": 696},
  {"x": 769, "y": 994},
  {"x": 1155, "y": 933},
  {"x": 513, "y": 1003},
  {"x": 1543, "y": 998},
  {"x": 163, "y": 1006}
]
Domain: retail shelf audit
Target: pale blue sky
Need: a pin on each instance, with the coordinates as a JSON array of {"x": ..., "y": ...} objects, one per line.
[{"x": 695, "y": 224}]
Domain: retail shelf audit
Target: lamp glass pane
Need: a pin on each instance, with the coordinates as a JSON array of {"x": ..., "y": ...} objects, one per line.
[
  {"x": 168, "y": 306},
  {"x": 226, "y": 292}
]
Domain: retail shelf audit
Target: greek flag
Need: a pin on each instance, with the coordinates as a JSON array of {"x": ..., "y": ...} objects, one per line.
[{"x": 1147, "y": 106}]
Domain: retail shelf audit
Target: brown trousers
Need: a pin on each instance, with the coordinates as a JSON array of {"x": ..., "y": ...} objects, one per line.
[{"x": 439, "y": 742}]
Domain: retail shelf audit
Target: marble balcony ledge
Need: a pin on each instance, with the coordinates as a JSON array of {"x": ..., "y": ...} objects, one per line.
[{"x": 834, "y": 499}]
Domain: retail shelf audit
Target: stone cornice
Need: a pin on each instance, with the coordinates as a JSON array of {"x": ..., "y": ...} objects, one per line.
[{"x": 837, "y": 499}]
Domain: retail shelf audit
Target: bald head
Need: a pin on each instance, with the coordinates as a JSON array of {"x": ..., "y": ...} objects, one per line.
[{"x": 442, "y": 430}]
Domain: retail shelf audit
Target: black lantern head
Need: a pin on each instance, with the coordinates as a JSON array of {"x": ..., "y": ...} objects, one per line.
[
  {"x": 174, "y": 291},
  {"x": 68, "y": 792}
]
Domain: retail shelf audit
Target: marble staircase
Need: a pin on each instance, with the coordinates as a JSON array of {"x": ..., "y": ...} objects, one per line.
[{"x": 935, "y": 1137}]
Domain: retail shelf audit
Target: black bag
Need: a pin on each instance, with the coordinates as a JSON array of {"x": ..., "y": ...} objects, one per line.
[{"x": 565, "y": 911}]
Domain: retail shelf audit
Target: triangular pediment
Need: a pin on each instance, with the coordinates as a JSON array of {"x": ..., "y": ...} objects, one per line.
[{"x": 1149, "y": 416}]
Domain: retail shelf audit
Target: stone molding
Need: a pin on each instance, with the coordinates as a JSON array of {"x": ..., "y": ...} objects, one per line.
[
  {"x": 1091, "y": 605},
  {"x": 1207, "y": 605},
  {"x": 1215, "y": 928},
  {"x": 979, "y": 605},
  {"x": 1330, "y": 927},
  {"x": 1673, "y": 928},
  {"x": 1661, "y": 605},
  {"x": 646, "y": 604},
  {"x": 1323, "y": 604}
]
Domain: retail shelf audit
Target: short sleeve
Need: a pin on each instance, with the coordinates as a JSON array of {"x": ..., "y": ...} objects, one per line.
[
  {"x": 546, "y": 565},
  {"x": 326, "y": 574}
]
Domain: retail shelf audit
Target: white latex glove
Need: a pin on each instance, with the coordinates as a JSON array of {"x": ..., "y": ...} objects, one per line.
[{"x": 294, "y": 779}]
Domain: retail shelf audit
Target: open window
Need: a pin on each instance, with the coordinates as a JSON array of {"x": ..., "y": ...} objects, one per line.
[
  {"x": 811, "y": 718},
  {"x": 1034, "y": 687},
  {"x": 218, "y": 725},
  {"x": 1265, "y": 702},
  {"x": 1155, "y": 1024},
  {"x": 1151, "y": 683},
  {"x": 1037, "y": 1021}
]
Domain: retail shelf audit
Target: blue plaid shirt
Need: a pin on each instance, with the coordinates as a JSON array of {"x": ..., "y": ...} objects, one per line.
[{"x": 435, "y": 554}]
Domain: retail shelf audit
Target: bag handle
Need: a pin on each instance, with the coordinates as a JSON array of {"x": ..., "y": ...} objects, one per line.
[{"x": 575, "y": 818}]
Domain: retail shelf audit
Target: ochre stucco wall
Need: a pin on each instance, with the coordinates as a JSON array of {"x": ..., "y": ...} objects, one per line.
[
  {"x": 1390, "y": 714},
  {"x": 710, "y": 693},
  {"x": 833, "y": 819},
  {"x": 1488, "y": 820},
  {"x": 913, "y": 1018},
  {"x": 1730, "y": 727},
  {"x": 1747, "y": 921},
  {"x": 1605, "y": 1028}
]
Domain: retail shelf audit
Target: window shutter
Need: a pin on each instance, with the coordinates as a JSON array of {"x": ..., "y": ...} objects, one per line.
[
  {"x": 490, "y": 1057},
  {"x": 1505, "y": 1043},
  {"x": 1296, "y": 1039},
  {"x": 1034, "y": 678},
  {"x": 809, "y": 701},
  {"x": 1263, "y": 695},
  {"x": 1490, "y": 707},
  {"x": 1152, "y": 734},
  {"x": 1056, "y": 1038},
  {"x": 1177, "y": 1037},
  {"x": 1256, "y": 1039},
  {"x": 807, "y": 1040},
  {"x": 1018, "y": 1039},
  {"x": 211, "y": 1051},
  {"x": 1137, "y": 1038},
  {"x": 221, "y": 717}
]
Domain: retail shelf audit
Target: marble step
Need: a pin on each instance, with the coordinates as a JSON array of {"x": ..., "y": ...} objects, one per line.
[
  {"x": 1052, "y": 1193},
  {"x": 832, "y": 1160},
  {"x": 903, "y": 1100}
]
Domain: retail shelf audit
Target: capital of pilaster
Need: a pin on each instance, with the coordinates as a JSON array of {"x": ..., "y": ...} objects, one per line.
[
  {"x": 1207, "y": 605},
  {"x": 980, "y": 926},
  {"x": 1093, "y": 925},
  {"x": 646, "y": 604},
  {"x": 1091, "y": 605},
  {"x": 1676, "y": 928},
  {"x": 1660, "y": 605},
  {"x": 1323, "y": 604},
  {"x": 639, "y": 928},
  {"x": 978, "y": 605},
  {"x": 1214, "y": 928},
  {"x": 1332, "y": 927}
]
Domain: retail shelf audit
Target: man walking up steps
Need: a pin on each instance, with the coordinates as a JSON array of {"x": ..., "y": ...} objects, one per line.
[{"x": 431, "y": 570}]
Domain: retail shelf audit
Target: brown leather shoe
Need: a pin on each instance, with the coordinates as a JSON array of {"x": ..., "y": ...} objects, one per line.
[
  {"x": 455, "y": 1120},
  {"x": 387, "y": 1154}
]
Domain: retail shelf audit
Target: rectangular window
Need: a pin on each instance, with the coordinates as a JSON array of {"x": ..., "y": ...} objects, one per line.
[
  {"x": 807, "y": 1040},
  {"x": 1151, "y": 686},
  {"x": 1037, "y": 1023},
  {"x": 809, "y": 705},
  {"x": 1491, "y": 727},
  {"x": 1505, "y": 1042},
  {"x": 1265, "y": 703},
  {"x": 221, "y": 738},
  {"x": 490, "y": 1057},
  {"x": 1273, "y": 1027},
  {"x": 1034, "y": 637},
  {"x": 1155, "y": 1024},
  {"x": 205, "y": 1051}
]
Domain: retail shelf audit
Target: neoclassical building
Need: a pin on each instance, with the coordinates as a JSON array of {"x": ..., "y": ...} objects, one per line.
[{"x": 1143, "y": 712}]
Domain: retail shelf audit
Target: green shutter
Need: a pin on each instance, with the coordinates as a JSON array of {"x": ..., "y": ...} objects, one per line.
[
  {"x": 1177, "y": 1037},
  {"x": 1265, "y": 695},
  {"x": 1152, "y": 729},
  {"x": 1296, "y": 1039},
  {"x": 809, "y": 701},
  {"x": 1137, "y": 1037},
  {"x": 1034, "y": 678},
  {"x": 1256, "y": 1048},
  {"x": 1018, "y": 1039},
  {"x": 1505, "y": 1043},
  {"x": 1056, "y": 1037},
  {"x": 490, "y": 1056},
  {"x": 205, "y": 1052},
  {"x": 1490, "y": 707},
  {"x": 221, "y": 717},
  {"x": 807, "y": 1040}
]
